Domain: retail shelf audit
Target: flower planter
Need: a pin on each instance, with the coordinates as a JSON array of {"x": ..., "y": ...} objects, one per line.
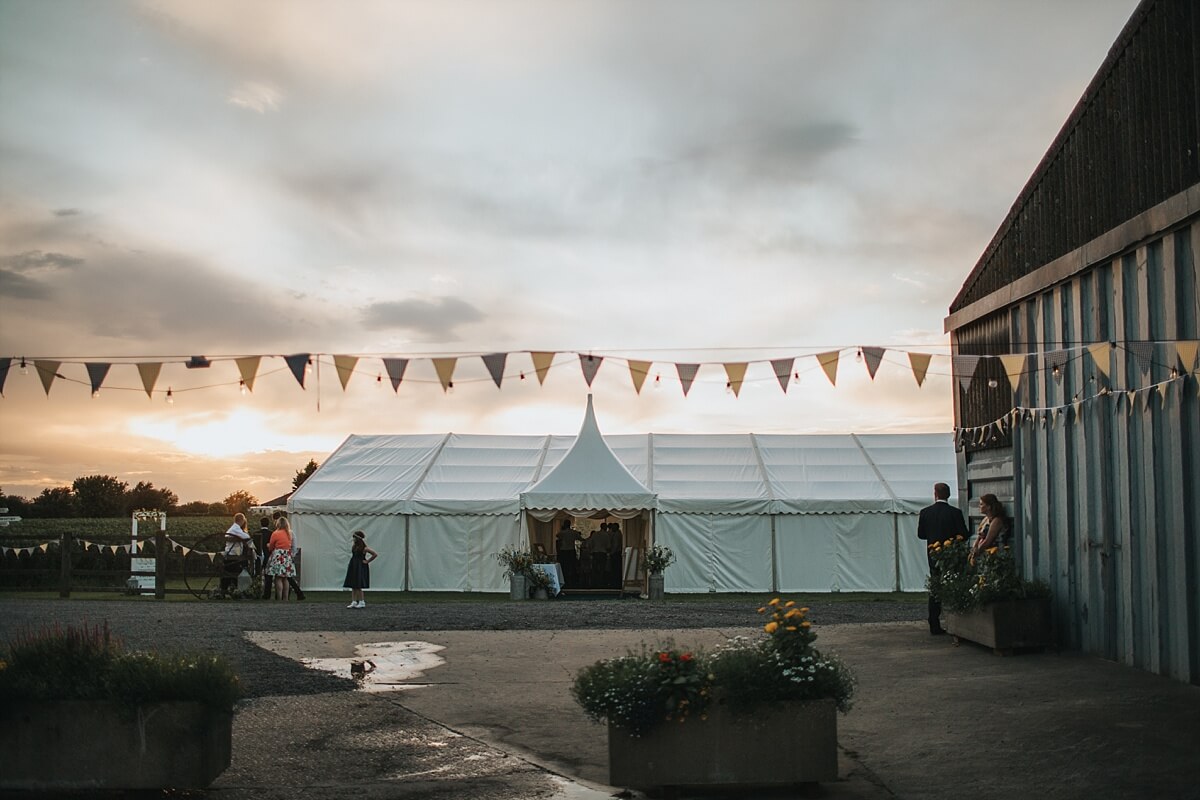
[
  {"x": 789, "y": 743},
  {"x": 518, "y": 587},
  {"x": 1005, "y": 626},
  {"x": 655, "y": 586},
  {"x": 77, "y": 744}
]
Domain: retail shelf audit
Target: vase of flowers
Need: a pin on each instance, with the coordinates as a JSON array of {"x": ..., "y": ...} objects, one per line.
[
  {"x": 517, "y": 565},
  {"x": 683, "y": 718},
  {"x": 986, "y": 600},
  {"x": 654, "y": 562}
]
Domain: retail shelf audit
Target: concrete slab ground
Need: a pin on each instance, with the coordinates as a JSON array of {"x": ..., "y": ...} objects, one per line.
[{"x": 931, "y": 719}]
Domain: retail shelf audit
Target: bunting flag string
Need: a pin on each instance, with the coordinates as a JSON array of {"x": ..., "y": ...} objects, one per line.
[{"x": 1145, "y": 356}]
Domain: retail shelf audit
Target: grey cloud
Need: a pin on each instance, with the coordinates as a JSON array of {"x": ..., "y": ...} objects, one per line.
[
  {"x": 775, "y": 152},
  {"x": 67, "y": 212},
  {"x": 19, "y": 287},
  {"x": 36, "y": 260},
  {"x": 432, "y": 321}
]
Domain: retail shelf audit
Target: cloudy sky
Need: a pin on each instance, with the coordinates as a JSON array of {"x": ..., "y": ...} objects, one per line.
[{"x": 699, "y": 182}]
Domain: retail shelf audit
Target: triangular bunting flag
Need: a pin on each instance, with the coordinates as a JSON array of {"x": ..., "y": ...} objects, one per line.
[
  {"x": 590, "y": 365},
  {"x": 783, "y": 371},
  {"x": 1014, "y": 367},
  {"x": 687, "y": 374},
  {"x": 113, "y": 548},
  {"x": 1101, "y": 355},
  {"x": 638, "y": 370},
  {"x": 872, "y": 356},
  {"x": 445, "y": 371},
  {"x": 1186, "y": 350},
  {"x": 920, "y": 365},
  {"x": 4, "y": 365},
  {"x": 149, "y": 373},
  {"x": 829, "y": 362},
  {"x": 345, "y": 368},
  {"x": 44, "y": 546},
  {"x": 1143, "y": 354},
  {"x": 211, "y": 557},
  {"x": 96, "y": 374},
  {"x": 541, "y": 365},
  {"x": 248, "y": 367},
  {"x": 298, "y": 364},
  {"x": 1078, "y": 405},
  {"x": 184, "y": 550},
  {"x": 964, "y": 369},
  {"x": 395, "y": 369},
  {"x": 1056, "y": 362},
  {"x": 495, "y": 366},
  {"x": 1131, "y": 395},
  {"x": 736, "y": 372},
  {"x": 47, "y": 371}
]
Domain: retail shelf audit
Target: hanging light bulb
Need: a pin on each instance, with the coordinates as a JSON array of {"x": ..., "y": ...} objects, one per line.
[
  {"x": 522, "y": 376},
  {"x": 858, "y": 356},
  {"x": 308, "y": 368},
  {"x": 449, "y": 387},
  {"x": 242, "y": 388},
  {"x": 170, "y": 397},
  {"x": 728, "y": 387},
  {"x": 1057, "y": 372},
  {"x": 379, "y": 379},
  {"x": 95, "y": 393},
  {"x": 658, "y": 381},
  {"x": 993, "y": 383},
  {"x": 24, "y": 369}
]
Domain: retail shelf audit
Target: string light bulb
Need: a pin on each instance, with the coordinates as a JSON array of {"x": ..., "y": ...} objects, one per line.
[
  {"x": 522, "y": 376},
  {"x": 858, "y": 356},
  {"x": 449, "y": 387},
  {"x": 242, "y": 388},
  {"x": 993, "y": 383},
  {"x": 24, "y": 368},
  {"x": 379, "y": 379},
  {"x": 170, "y": 396},
  {"x": 658, "y": 381},
  {"x": 308, "y": 368}
]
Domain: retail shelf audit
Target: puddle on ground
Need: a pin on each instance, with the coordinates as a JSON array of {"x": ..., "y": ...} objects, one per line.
[{"x": 374, "y": 666}]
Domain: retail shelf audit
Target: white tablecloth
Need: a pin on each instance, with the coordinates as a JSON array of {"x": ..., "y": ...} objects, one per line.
[{"x": 554, "y": 573}]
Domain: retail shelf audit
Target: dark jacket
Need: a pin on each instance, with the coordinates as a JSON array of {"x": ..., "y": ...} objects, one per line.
[{"x": 941, "y": 522}]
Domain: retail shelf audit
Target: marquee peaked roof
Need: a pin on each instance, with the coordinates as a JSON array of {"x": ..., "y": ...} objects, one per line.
[{"x": 589, "y": 477}]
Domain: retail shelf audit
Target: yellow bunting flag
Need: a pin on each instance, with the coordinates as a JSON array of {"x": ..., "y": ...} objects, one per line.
[
  {"x": 1014, "y": 367},
  {"x": 248, "y": 366},
  {"x": 44, "y": 546},
  {"x": 445, "y": 372},
  {"x": 920, "y": 365},
  {"x": 1100, "y": 354},
  {"x": 47, "y": 371},
  {"x": 1187, "y": 354},
  {"x": 149, "y": 373},
  {"x": 345, "y": 368},
  {"x": 541, "y": 365},
  {"x": 829, "y": 362},
  {"x": 737, "y": 373},
  {"x": 638, "y": 370}
]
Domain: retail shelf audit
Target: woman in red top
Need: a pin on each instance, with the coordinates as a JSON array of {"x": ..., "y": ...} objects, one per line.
[{"x": 279, "y": 564}]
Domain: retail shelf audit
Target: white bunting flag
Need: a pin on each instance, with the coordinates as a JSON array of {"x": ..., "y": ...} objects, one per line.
[
  {"x": 872, "y": 356},
  {"x": 783, "y": 371},
  {"x": 445, "y": 371},
  {"x": 541, "y": 365},
  {"x": 495, "y": 366},
  {"x": 44, "y": 546},
  {"x": 638, "y": 370},
  {"x": 248, "y": 367},
  {"x": 345, "y": 368},
  {"x": 736, "y": 372},
  {"x": 590, "y": 365},
  {"x": 829, "y": 363},
  {"x": 687, "y": 374},
  {"x": 920, "y": 365}
]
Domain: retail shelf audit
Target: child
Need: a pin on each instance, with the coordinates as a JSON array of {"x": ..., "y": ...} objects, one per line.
[{"x": 358, "y": 574}]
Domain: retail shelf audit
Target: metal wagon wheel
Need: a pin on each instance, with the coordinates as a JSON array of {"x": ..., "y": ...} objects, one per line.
[{"x": 201, "y": 573}]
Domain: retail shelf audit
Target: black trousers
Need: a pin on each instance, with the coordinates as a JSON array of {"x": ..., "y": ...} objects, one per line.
[{"x": 935, "y": 607}]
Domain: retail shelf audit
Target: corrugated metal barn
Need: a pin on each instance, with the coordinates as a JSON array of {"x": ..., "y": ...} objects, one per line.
[{"x": 1093, "y": 274}]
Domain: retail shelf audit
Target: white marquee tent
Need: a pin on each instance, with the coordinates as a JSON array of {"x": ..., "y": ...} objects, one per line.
[{"x": 743, "y": 512}]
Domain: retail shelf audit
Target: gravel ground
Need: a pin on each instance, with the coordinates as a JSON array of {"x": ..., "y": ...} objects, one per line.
[{"x": 218, "y": 626}]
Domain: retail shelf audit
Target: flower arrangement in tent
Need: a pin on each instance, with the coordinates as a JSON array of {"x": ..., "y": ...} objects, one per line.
[{"x": 657, "y": 559}]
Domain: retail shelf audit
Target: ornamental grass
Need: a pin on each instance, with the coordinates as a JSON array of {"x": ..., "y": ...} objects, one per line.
[{"x": 668, "y": 684}]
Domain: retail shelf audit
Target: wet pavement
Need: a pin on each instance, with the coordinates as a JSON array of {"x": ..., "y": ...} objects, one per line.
[{"x": 934, "y": 720}]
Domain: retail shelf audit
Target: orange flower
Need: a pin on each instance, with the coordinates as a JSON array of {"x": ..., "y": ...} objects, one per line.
[
  {"x": 804, "y": 610},
  {"x": 686, "y": 657},
  {"x": 774, "y": 602},
  {"x": 791, "y": 627},
  {"x": 795, "y": 612},
  {"x": 789, "y": 604},
  {"x": 806, "y": 624},
  {"x": 762, "y": 610},
  {"x": 771, "y": 627}
]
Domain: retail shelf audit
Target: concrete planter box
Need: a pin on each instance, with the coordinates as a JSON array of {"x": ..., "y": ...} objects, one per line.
[
  {"x": 79, "y": 744},
  {"x": 786, "y": 744},
  {"x": 1005, "y": 626}
]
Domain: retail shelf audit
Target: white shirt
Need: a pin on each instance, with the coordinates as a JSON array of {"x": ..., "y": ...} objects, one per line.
[{"x": 233, "y": 537}]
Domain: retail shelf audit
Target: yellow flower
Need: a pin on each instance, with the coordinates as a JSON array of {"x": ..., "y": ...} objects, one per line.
[
  {"x": 806, "y": 624},
  {"x": 774, "y": 602},
  {"x": 789, "y": 604},
  {"x": 791, "y": 627},
  {"x": 804, "y": 610},
  {"x": 795, "y": 612},
  {"x": 763, "y": 609},
  {"x": 958, "y": 538},
  {"x": 992, "y": 550},
  {"x": 771, "y": 627}
]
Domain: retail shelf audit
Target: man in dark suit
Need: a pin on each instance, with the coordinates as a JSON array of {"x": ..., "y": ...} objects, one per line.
[{"x": 940, "y": 522}]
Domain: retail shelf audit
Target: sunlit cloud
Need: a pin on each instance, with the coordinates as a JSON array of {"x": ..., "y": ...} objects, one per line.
[{"x": 255, "y": 96}]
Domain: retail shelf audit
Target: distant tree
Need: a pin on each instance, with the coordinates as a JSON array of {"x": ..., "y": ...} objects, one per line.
[
  {"x": 304, "y": 474},
  {"x": 100, "y": 496},
  {"x": 217, "y": 510},
  {"x": 144, "y": 495},
  {"x": 240, "y": 501},
  {"x": 17, "y": 506},
  {"x": 55, "y": 503},
  {"x": 196, "y": 508}
]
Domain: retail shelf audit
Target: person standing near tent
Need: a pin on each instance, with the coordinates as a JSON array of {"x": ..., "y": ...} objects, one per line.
[
  {"x": 280, "y": 565},
  {"x": 358, "y": 571},
  {"x": 293, "y": 580},
  {"x": 235, "y": 555},
  {"x": 565, "y": 544},
  {"x": 940, "y": 522}
]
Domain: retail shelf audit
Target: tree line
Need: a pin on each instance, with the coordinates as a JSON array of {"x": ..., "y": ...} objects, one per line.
[{"x": 109, "y": 496}]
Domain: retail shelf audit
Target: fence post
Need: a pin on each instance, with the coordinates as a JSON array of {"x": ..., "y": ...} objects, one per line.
[
  {"x": 65, "y": 544},
  {"x": 160, "y": 564}
]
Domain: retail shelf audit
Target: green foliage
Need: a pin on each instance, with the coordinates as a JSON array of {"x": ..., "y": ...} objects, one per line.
[
  {"x": 111, "y": 530},
  {"x": 145, "y": 496},
  {"x": 100, "y": 495},
  {"x": 57, "y": 502},
  {"x": 88, "y": 663},
  {"x": 520, "y": 562},
  {"x": 636, "y": 691},
  {"x": 657, "y": 559},
  {"x": 304, "y": 474},
  {"x": 240, "y": 502},
  {"x": 962, "y": 583}
]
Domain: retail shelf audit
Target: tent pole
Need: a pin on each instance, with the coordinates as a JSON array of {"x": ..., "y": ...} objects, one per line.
[
  {"x": 406, "y": 519},
  {"x": 774, "y": 559},
  {"x": 896, "y": 548}
]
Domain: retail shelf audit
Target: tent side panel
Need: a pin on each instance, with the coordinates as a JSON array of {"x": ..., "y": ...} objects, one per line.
[
  {"x": 807, "y": 552},
  {"x": 439, "y": 549},
  {"x": 688, "y": 535},
  {"x": 914, "y": 565},
  {"x": 866, "y": 552},
  {"x": 741, "y": 553},
  {"x": 324, "y": 540},
  {"x": 488, "y": 535}
]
